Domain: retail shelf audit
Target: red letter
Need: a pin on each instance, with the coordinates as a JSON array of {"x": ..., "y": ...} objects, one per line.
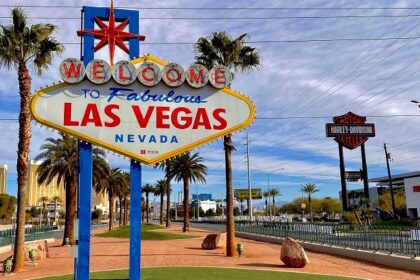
[
  {"x": 178, "y": 76},
  {"x": 97, "y": 69},
  {"x": 67, "y": 116},
  {"x": 201, "y": 119},
  {"x": 121, "y": 74},
  {"x": 160, "y": 117},
  {"x": 91, "y": 109},
  {"x": 144, "y": 76},
  {"x": 222, "y": 122},
  {"x": 72, "y": 71},
  {"x": 142, "y": 120},
  {"x": 219, "y": 76},
  {"x": 115, "y": 119},
  {"x": 199, "y": 78},
  {"x": 185, "y": 119}
]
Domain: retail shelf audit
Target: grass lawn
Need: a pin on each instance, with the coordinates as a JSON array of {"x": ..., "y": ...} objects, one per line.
[
  {"x": 204, "y": 273},
  {"x": 147, "y": 233}
]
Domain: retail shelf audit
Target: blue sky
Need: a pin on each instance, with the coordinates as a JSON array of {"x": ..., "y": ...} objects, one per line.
[{"x": 304, "y": 79}]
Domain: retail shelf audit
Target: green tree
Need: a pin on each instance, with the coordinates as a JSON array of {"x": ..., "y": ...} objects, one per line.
[
  {"x": 188, "y": 168},
  {"x": 96, "y": 214},
  {"x": 22, "y": 45},
  {"x": 354, "y": 206},
  {"x": 111, "y": 182},
  {"x": 221, "y": 49},
  {"x": 147, "y": 189},
  {"x": 7, "y": 206},
  {"x": 59, "y": 158},
  {"x": 273, "y": 193},
  {"x": 160, "y": 190},
  {"x": 34, "y": 212},
  {"x": 122, "y": 193},
  {"x": 309, "y": 189},
  {"x": 55, "y": 199},
  {"x": 331, "y": 206},
  {"x": 384, "y": 204}
]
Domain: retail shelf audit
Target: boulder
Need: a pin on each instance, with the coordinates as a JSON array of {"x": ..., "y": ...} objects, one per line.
[
  {"x": 292, "y": 254},
  {"x": 213, "y": 241}
]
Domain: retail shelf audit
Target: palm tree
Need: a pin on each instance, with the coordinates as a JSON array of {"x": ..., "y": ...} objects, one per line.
[
  {"x": 112, "y": 181},
  {"x": 22, "y": 45},
  {"x": 147, "y": 189},
  {"x": 60, "y": 161},
  {"x": 126, "y": 193},
  {"x": 273, "y": 193},
  {"x": 166, "y": 167},
  {"x": 122, "y": 193},
  {"x": 221, "y": 49},
  {"x": 354, "y": 206},
  {"x": 160, "y": 190},
  {"x": 266, "y": 195},
  {"x": 188, "y": 168},
  {"x": 43, "y": 200},
  {"x": 309, "y": 189},
  {"x": 55, "y": 199}
]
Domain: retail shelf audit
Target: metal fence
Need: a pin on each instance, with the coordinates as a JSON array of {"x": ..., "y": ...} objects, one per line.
[
  {"x": 402, "y": 240},
  {"x": 31, "y": 233}
]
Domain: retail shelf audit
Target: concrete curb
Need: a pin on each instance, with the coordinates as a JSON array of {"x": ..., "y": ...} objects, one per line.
[{"x": 403, "y": 262}]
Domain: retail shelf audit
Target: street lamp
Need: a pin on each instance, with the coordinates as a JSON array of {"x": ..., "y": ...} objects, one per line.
[{"x": 268, "y": 175}]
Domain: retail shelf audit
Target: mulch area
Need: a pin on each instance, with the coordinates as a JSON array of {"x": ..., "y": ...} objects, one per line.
[{"x": 113, "y": 253}]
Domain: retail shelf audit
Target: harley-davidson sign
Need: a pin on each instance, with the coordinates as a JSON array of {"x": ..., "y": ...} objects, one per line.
[
  {"x": 145, "y": 122},
  {"x": 350, "y": 129}
]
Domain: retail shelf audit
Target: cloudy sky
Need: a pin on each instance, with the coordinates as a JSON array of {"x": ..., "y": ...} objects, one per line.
[{"x": 317, "y": 62}]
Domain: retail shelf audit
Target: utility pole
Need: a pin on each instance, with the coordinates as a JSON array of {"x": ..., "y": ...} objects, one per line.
[
  {"x": 249, "y": 179},
  {"x": 388, "y": 157}
]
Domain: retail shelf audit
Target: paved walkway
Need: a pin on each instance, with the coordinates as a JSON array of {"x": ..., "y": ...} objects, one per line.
[{"x": 112, "y": 253}]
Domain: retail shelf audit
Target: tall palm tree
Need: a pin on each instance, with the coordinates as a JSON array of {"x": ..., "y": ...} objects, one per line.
[
  {"x": 309, "y": 189},
  {"x": 112, "y": 181},
  {"x": 60, "y": 161},
  {"x": 43, "y": 200},
  {"x": 160, "y": 190},
  {"x": 122, "y": 193},
  {"x": 165, "y": 165},
  {"x": 147, "y": 189},
  {"x": 126, "y": 193},
  {"x": 22, "y": 45},
  {"x": 266, "y": 195},
  {"x": 188, "y": 168},
  {"x": 221, "y": 49},
  {"x": 55, "y": 199},
  {"x": 273, "y": 193}
]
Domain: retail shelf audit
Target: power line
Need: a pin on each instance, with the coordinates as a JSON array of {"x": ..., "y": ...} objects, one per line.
[
  {"x": 240, "y": 18},
  {"x": 219, "y": 8}
]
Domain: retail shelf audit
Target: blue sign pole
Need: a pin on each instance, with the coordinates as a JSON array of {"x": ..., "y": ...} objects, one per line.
[
  {"x": 84, "y": 213},
  {"x": 135, "y": 220}
]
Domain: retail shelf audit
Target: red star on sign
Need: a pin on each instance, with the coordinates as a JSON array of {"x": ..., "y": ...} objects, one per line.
[{"x": 111, "y": 34}]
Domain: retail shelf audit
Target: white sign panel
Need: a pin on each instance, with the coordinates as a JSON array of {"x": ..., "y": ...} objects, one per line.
[{"x": 148, "y": 124}]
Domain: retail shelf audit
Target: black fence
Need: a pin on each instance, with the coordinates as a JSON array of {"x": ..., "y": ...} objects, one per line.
[{"x": 402, "y": 240}]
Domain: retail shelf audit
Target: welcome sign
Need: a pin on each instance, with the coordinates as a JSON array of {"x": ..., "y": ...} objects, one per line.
[{"x": 145, "y": 123}]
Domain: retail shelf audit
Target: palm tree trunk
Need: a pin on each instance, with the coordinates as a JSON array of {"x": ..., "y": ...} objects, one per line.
[
  {"x": 230, "y": 222},
  {"x": 126, "y": 211},
  {"x": 71, "y": 201},
  {"x": 161, "y": 208},
  {"x": 168, "y": 202},
  {"x": 111, "y": 210},
  {"x": 147, "y": 208},
  {"x": 266, "y": 207},
  {"x": 22, "y": 165},
  {"x": 186, "y": 226},
  {"x": 274, "y": 206},
  {"x": 120, "y": 217},
  {"x": 310, "y": 208}
]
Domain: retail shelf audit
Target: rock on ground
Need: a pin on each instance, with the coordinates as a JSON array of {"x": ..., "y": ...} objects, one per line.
[
  {"x": 292, "y": 254},
  {"x": 214, "y": 240}
]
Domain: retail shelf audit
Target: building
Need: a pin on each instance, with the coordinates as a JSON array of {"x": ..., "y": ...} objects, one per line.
[
  {"x": 35, "y": 191},
  {"x": 373, "y": 195},
  {"x": 411, "y": 184},
  {"x": 3, "y": 178}
]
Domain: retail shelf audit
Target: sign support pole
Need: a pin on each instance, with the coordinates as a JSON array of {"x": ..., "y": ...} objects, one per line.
[
  {"x": 365, "y": 172},
  {"x": 84, "y": 211},
  {"x": 343, "y": 177},
  {"x": 135, "y": 220}
]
